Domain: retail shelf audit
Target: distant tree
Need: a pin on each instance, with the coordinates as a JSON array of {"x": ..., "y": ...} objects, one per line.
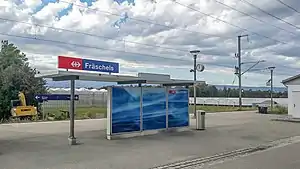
[
  {"x": 211, "y": 91},
  {"x": 15, "y": 75}
]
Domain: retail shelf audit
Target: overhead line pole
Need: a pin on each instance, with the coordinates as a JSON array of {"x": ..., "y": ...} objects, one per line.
[{"x": 240, "y": 69}]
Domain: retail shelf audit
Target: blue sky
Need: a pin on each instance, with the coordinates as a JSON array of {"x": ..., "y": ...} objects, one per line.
[
  {"x": 89, "y": 2},
  {"x": 65, "y": 11}
]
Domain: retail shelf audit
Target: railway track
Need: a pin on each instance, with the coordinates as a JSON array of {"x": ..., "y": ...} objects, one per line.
[{"x": 198, "y": 162}]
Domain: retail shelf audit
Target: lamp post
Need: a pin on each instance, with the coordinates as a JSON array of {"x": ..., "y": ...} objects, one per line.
[
  {"x": 269, "y": 82},
  {"x": 271, "y": 68},
  {"x": 196, "y": 68},
  {"x": 239, "y": 73}
]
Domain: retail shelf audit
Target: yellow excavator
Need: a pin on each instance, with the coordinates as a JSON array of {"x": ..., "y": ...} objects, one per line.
[{"x": 19, "y": 108}]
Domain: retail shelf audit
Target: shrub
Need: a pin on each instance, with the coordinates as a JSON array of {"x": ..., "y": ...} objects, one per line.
[{"x": 280, "y": 110}]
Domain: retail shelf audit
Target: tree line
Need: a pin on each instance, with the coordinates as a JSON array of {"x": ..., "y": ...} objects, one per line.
[
  {"x": 206, "y": 90},
  {"x": 211, "y": 91},
  {"x": 16, "y": 75}
]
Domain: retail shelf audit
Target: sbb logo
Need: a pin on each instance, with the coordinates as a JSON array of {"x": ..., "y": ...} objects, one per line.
[
  {"x": 75, "y": 64},
  {"x": 65, "y": 62}
]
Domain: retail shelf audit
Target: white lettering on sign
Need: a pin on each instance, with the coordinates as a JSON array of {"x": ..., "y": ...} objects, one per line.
[{"x": 98, "y": 67}]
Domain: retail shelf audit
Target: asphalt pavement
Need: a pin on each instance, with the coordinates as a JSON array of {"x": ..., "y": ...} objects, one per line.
[
  {"x": 45, "y": 145},
  {"x": 286, "y": 157}
]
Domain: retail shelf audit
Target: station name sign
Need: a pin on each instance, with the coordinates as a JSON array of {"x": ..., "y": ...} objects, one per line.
[{"x": 65, "y": 62}]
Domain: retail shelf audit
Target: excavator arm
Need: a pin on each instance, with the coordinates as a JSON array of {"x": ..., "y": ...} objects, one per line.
[{"x": 22, "y": 99}]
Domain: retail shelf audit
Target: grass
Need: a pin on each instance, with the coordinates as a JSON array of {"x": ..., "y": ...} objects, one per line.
[
  {"x": 59, "y": 113},
  {"x": 214, "y": 109},
  {"x": 278, "y": 110},
  {"x": 100, "y": 112},
  {"x": 80, "y": 113}
]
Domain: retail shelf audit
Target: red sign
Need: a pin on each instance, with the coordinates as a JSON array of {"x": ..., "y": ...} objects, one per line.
[
  {"x": 69, "y": 63},
  {"x": 172, "y": 91}
]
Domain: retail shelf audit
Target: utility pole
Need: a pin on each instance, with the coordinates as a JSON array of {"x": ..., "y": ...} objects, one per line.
[
  {"x": 240, "y": 69},
  {"x": 271, "y": 92}
]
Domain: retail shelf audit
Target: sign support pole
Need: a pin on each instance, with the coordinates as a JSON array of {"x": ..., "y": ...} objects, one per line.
[
  {"x": 43, "y": 110},
  {"x": 72, "y": 139}
]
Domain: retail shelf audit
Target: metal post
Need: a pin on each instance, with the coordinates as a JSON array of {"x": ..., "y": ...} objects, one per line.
[
  {"x": 240, "y": 71},
  {"x": 167, "y": 107},
  {"x": 72, "y": 139},
  {"x": 239, "y": 55},
  {"x": 43, "y": 109},
  {"x": 195, "y": 88},
  {"x": 141, "y": 108},
  {"x": 271, "y": 92},
  {"x": 201, "y": 68}
]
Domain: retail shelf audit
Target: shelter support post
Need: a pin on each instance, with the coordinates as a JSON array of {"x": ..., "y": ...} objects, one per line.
[
  {"x": 72, "y": 139},
  {"x": 167, "y": 107}
]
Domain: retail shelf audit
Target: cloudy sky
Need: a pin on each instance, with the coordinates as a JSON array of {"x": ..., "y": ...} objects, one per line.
[{"x": 156, "y": 35}]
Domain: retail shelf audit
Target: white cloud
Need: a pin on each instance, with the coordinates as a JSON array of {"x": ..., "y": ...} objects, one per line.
[
  {"x": 32, "y": 3},
  {"x": 50, "y": 12},
  {"x": 184, "y": 30}
]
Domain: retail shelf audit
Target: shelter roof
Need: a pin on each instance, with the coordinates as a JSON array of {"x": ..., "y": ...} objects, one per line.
[{"x": 147, "y": 78}]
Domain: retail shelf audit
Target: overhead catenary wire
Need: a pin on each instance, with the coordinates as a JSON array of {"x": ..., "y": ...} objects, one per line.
[
  {"x": 172, "y": 27},
  {"x": 106, "y": 49},
  {"x": 98, "y": 36},
  {"x": 255, "y": 18},
  {"x": 100, "y": 48},
  {"x": 140, "y": 20},
  {"x": 145, "y": 21},
  {"x": 118, "y": 51},
  {"x": 228, "y": 23},
  {"x": 92, "y": 35},
  {"x": 104, "y": 37},
  {"x": 260, "y": 9},
  {"x": 34, "y": 38},
  {"x": 263, "y": 70},
  {"x": 289, "y": 6},
  {"x": 143, "y": 44}
]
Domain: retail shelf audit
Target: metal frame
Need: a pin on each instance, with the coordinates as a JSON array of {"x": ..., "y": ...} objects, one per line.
[
  {"x": 189, "y": 105},
  {"x": 133, "y": 82},
  {"x": 108, "y": 114},
  {"x": 141, "y": 110},
  {"x": 111, "y": 135},
  {"x": 141, "y": 104},
  {"x": 120, "y": 79},
  {"x": 188, "y": 117},
  {"x": 167, "y": 107}
]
